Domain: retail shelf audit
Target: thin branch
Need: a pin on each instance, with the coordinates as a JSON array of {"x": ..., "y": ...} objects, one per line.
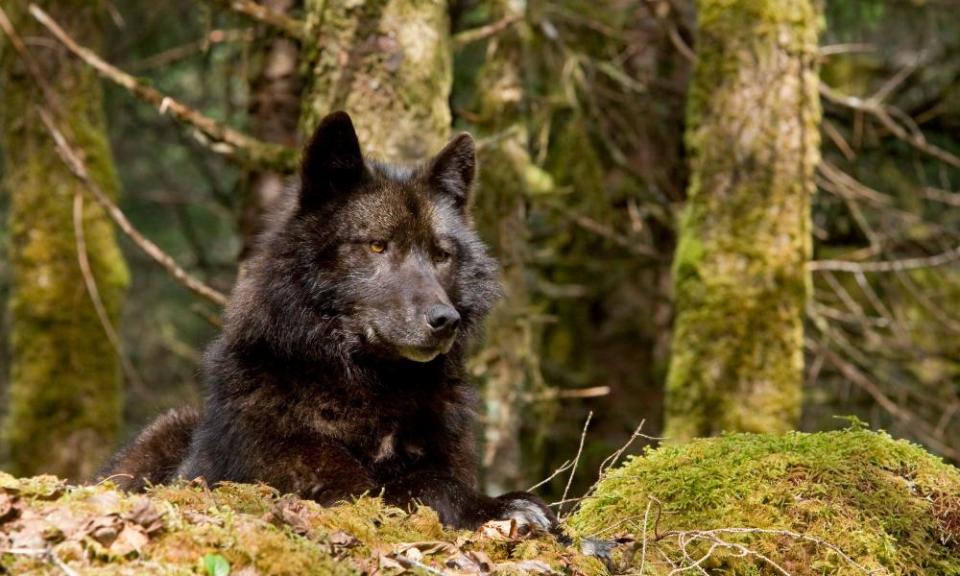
[
  {"x": 472, "y": 35},
  {"x": 885, "y": 114},
  {"x": 78, "y": 168},
  {"x": 90, "y": 281},
  {"x": 227, "y": 141},
  {"x": 76, "y": 165},
  {"x": 935, "y": 261},
  {"x": 563, "y": 468},
  {"x": 576, "y": 460},
  {"x": 183, "y": 51},
  {"x": 292, "y": 27},
  {"x": 46, "y": 554}
]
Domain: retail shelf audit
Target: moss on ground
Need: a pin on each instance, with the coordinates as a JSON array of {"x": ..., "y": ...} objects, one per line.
[
  {"x": 182, "y": 529},
  {"x": 889, "y": 505},
  {"x": 837, "y": 503}
]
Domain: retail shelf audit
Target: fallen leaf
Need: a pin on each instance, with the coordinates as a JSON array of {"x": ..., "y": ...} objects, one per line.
[
  {"x": 10, "y": 507},
  {"x": 385, "y": 562},
  {"x": 145, "y": 515},
  {"x": 131, "y": 540},
  {"x": 104, "y": 529},
  {"x": 499, "y": 530}
]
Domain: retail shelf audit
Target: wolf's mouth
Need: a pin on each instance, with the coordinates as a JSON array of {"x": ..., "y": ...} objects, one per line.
[{"x": 425, "y": 353}]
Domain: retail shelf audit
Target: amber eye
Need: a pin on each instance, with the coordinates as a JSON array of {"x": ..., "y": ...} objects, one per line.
[
  {"x": 378, "y": 246},
  {"x": 441, "y": 257}
]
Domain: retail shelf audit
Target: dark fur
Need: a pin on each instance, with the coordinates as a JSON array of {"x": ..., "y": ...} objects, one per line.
[{"x": 327, "y": 381}]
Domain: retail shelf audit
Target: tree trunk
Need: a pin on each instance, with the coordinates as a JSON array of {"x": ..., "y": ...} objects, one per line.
[
  {"x": 386, "y": 62},
  {"x": 275, "y": 112},
  {"x": 509, "y": 361},
  {"x": 64, "y": 399},
  {"x": 740, "y": 283}
]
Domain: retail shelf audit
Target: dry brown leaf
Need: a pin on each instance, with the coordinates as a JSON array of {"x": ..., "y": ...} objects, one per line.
[
  {"x": 104, "y": 529},
  {"x": 385, "y": 562},
  {"x": 131, "y": 540},
  {"x": 10, "y": 507},
  {"x": 499, "y": 530},
  {"x": 145, "y": 515}
]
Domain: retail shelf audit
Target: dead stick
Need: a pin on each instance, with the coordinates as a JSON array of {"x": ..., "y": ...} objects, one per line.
[
  {"x": 228, "y": 142},
  {"x": 292, "y": 27},
  {"x": 77, "y": 167}
]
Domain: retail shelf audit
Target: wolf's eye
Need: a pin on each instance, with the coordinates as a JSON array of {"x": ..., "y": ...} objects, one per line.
[
  {"x": 378, "y": 246},
  {"x": 441, "y": 256}
]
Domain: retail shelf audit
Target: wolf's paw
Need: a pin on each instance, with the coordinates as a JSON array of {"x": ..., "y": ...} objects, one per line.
[{"x": 528, "y": 511}]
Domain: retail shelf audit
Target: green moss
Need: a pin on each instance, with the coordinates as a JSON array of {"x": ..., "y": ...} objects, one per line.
[
  {"x": 889, "y": 505},
  {"x": 253, "y": 528},
  {"x": 64, "y": 399}
]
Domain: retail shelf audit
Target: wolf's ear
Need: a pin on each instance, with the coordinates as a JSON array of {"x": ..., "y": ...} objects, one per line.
[
  {"x": 452, "y": 171},
  {"x": 332, "y": 162}
]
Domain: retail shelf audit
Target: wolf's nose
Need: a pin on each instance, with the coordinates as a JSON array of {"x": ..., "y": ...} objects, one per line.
[{"x": 443, "y": 320}]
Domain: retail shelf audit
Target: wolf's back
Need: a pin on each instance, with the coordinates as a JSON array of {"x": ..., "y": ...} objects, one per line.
[{"x": 154, "y": 456}]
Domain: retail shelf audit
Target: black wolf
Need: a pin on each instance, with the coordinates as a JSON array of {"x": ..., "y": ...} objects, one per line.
[{"x": 340, "y": 369}]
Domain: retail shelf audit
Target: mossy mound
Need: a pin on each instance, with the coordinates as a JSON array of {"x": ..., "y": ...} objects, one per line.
[
  {"x": 247, "y": 530},
  {"x": 848, "y": 502}
]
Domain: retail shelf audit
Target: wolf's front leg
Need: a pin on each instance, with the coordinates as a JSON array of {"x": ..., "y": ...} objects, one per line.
[{"x": 461, "y": 506}]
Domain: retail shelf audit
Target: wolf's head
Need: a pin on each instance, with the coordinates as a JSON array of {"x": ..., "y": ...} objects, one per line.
[{"x": 370, "y": 257}]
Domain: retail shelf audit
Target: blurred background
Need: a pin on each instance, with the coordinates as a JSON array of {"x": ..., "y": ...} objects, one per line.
[{"x": 581, "y": 110}]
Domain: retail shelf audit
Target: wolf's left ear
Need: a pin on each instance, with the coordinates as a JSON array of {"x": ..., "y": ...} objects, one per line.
[
  {"x": 332, "y": 162},
  {"x": 452, "y": 171}
]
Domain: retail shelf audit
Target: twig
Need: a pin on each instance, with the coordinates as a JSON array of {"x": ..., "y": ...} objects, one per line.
[
  {"x": 886, "y": 266},
  {"x": 227, "y": 141},
  {"x": 461, "y": 39},
  {"x": 411, "y": 563},
  {"x": 182, "y": 51},
  {"x": 76, "y": 166},
  {"x": 90, "y": 282},
  {"x": 884, "y": 114},
  {"x": 576, "y": 460},
  {"x": 292, "y": 27},
  {"x": 563, "y": 468},
  {"x": 47, "y": 554}
]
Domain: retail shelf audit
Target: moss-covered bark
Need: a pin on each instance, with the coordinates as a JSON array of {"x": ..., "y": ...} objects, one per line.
[
  {"x": 387, "y": 63},
  {"x": 739, "y": 272},
  {"x": 509, "y": 361},
  {"x": 64, "y": 400}
]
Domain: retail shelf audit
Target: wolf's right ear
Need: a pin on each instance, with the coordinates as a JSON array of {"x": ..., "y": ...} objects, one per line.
[{"x": 332, "y": 162}]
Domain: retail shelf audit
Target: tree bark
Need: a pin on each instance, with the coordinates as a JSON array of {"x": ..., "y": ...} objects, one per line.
[
  {"x": 64, "y": 399},
  {"x": 509, "y": 362},
  {"x": 740, "y": 281},
  {"x": 275, "y": 113},
  {"x": 386, "y": 62}
]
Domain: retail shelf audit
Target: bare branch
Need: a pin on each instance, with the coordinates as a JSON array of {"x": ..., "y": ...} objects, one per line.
[
  {"x": 576, "y": 460},
  {"x": 472, "y": 35},
  {"x": 292, "y": 27},
  {"x": 227, "y": 141},
  {"x": 937, "y": 260},
  {"x": 78, "y": 168},
  {"x": 885, "y": 115},
  {"x": 93, "y": 292}
]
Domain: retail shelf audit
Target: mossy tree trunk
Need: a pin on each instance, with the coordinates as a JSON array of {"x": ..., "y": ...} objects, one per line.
[
  {"x": 386, "y": 62},
  {"x": 509, "y": 362},
  {"x": 740, "y": 284},
  {"x": 64, "y": 398}
]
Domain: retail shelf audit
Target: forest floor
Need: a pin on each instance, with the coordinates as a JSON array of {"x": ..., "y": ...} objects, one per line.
[{"x": 847, "y": 502}]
